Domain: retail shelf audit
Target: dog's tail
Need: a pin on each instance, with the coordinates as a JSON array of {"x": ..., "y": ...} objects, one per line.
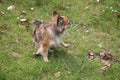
[{"x": 37, "y": 23}]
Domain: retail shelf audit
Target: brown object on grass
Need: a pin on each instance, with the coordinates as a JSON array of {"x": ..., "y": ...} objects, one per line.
[
  {"x": 62, "y": 6},
  {"x": 106, "y": 58},
  {"x": 118, "y": 15},
  {"x": 24, "y": 21},
  {"x": 91, "y": 55}
]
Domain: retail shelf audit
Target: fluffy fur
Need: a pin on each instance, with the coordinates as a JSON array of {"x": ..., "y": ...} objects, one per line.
[{"x": 50, "y": 34}]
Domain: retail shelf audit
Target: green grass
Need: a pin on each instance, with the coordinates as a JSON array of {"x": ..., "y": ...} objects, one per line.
[{"x": 16, "y": 46}]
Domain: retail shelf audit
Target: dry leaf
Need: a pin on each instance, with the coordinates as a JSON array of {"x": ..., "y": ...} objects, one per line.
[
  {"x": 87, "y": 31},
  {"x": 118, "y": 15},
  {"x": 24, "y": 21},
  {"x": 4, "y": 26},
  {"x": 10, "y": 8},
  {"x": 57, "y": 74},
  {"x": 3, "y": 13},
  {"x": 31, "y": 8},
  {"x": 106, "y": 62},
  {"x": 70, "y": 52},
  {"x": 16, "y": 40},
  {"x": 87, "y": 7},
  {"x": 106, "y": 58},
  {"x": 62, "y": 6},
  {"x": 102, "y": 69},
  {"x": 23, "y": 12},
  {"x": 16, "y": 54},
  {"x": 91, "y": 55},
  {"x": 97, "y": 0},
  {"x": 100, "y": 45}
]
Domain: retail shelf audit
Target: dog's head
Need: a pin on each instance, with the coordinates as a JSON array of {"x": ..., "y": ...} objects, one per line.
[{"x": 62, "y": 22}]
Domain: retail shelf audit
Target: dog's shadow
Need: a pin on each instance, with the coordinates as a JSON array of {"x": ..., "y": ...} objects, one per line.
[
  {"x": 68, "y": 61},
  {"x": 58, "y": 52},
  {"x": 55, "y": 53}
]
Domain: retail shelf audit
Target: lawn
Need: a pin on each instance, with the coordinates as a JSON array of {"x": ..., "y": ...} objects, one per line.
[{"x": 96, "y": 26}]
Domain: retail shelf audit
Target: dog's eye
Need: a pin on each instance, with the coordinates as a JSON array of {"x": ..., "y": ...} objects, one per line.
[{"x": 60, "y": 21}]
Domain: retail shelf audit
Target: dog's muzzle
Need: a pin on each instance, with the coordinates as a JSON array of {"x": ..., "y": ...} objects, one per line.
[{"x": 70, "y": 24}]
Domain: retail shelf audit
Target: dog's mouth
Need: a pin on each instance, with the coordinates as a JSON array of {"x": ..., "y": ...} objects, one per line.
[{"x": 68, "y": 25}]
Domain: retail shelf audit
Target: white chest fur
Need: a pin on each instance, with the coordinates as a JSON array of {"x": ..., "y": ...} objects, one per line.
[{"x": 56, "y": 41}]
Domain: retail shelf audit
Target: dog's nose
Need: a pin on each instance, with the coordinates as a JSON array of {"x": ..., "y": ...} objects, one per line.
[{"x": 70, "y": 23}]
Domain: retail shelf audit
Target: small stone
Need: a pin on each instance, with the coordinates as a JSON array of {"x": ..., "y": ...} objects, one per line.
[
  {"x": 23, "y": 12},
  {"x": 10, "y": 8},
  {"x": 31, "y": 8},
  {"x": 57, "y": 74},
  {"x": 23, "y": 20},
  {"x": 100, "y": 45},
  {"x": 3, "y": 13},
  {"x": 97, "y": 0}
]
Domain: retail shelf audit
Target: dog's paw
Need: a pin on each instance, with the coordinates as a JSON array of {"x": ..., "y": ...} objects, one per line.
[
  {"x": 45, "y": 59},
  {"x": 66, "y": 45}
]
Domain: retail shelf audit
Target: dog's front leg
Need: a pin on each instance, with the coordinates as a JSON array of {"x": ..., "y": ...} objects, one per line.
[{"x": 64, "y": 44}]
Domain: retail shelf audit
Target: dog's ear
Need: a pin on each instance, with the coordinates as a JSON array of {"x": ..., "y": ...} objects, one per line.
[
  {"x": 55, "y": 16},
  {"x": 55, "y": 13},
  {"x": 60, "y": 21}
]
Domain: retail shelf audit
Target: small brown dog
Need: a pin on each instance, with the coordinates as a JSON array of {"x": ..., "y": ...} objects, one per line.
[{"x": 50, "y": 34}]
